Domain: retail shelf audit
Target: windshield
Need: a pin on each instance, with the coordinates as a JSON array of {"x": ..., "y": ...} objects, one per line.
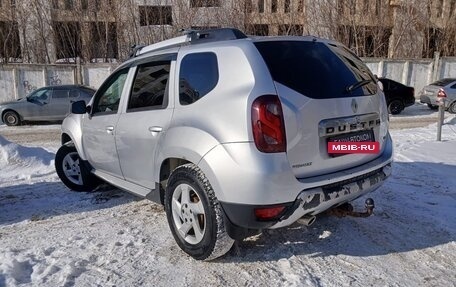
[{"x": 317, "y": 70}]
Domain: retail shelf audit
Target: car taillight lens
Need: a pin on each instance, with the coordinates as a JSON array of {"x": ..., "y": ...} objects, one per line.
[
  {"x": 441, "y": 94},
  {"x": 269, "y": 213},
  {"x": 268, "y": 124}
]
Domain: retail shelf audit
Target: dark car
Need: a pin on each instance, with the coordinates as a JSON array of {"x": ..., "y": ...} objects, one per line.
[
  {"x": 45, "y": 104},
  {"x": 398, "y": 96}
]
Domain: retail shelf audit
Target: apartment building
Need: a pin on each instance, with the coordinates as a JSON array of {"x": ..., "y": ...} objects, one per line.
[{"x": 48, "y": 31}]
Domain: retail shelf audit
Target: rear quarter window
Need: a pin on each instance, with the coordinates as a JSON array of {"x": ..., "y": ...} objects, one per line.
[
  {"x": 60, "y": 94},
  {"x": 316, "y": 70},
  {"x": 197, "y": 77}
]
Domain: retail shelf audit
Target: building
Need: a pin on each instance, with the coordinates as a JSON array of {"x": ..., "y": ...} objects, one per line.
[{"x": 49, "y": 31}]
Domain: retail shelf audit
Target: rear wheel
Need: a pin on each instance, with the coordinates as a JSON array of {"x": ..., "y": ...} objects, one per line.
[
  {"x": 452, "y": 108},
  {"x": 11, "y": 118},
  {"x": 395, "y": 107},
  {"x": 72, "y": 172},
  {"x": 432, "y": 107},
  {"x": 194, "y": 214}
]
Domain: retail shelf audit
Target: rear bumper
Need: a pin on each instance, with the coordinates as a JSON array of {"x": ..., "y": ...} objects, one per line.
[
  {"x": 309, "y": 202},
  {"x": 428, "y": 100},
  {"x": 314, "y": 195},
  {"x": 316, "y": 200}
]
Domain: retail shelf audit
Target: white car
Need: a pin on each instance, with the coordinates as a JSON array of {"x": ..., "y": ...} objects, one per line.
[{"x": 231, "y": 133}]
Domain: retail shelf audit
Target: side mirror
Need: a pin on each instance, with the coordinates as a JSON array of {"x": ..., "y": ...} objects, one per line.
[{"x": 79, "y": 107}]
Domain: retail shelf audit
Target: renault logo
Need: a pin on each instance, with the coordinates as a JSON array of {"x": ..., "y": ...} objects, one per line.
[{"x": 354, "y": 106}]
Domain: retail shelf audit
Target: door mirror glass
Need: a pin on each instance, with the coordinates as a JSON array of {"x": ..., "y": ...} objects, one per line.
[{"x": 79, "y": 108}]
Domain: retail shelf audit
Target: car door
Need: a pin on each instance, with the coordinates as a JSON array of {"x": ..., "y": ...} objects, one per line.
[
  {"x": 58, "y": 109},
  {"x": 98, "y": 127},
  {"x": 38, "y": 105},
  {"x": 145, "y": 121}
]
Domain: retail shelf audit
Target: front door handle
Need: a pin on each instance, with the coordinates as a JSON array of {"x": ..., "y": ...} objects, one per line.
[
  {"x": 155, "y": 129},
  {"x": 110, "y": 130}
]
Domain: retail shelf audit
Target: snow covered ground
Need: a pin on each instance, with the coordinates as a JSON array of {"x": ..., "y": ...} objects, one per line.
[{"x": 50, "y": 236}]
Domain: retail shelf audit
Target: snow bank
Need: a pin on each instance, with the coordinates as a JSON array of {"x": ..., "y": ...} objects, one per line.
[
  {"x": 52, "y": 237},
  {"x": 20, "y": 162}
]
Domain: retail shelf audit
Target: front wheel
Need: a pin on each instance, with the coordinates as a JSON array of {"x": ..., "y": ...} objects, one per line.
[
  {"x": 72, "y": 172},
  {"x": 11, "y": 118},
  {"x": 395, "y": 107},
  {"x": 194, "y": 214}
]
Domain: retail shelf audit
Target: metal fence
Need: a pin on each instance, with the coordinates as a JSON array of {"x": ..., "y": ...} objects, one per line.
[{"x": 18, "y": 80}]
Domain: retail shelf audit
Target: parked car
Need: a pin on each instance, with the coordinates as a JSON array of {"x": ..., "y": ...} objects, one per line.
[
  {"x": 230, "y": 133},
  {"x": 441, "y": 89},
  {"x": 51, "y": 103},
  {"x": 398, "y": 96}
]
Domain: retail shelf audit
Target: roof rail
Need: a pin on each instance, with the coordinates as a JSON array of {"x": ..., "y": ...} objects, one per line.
[{"x": 191, "y": 37}]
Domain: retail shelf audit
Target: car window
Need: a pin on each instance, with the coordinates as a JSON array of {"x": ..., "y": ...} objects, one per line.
[
  {"x": 41, "y": 96},
  {"x": 198, "y": 76},
  {"x": 108, "y": 96},
  {"x": 60, "y": 94},
  {"x": 73, "y": 94},
  {"x": 316, "y": 70},
  {"x": 149, "y": 89},
  {"x": 87, "y": 92},
  {"x": 453, "y": 86}
]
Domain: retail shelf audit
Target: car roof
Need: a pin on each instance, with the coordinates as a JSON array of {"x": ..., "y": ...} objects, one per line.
[
  {"x": 443, "y": 82},
  {"x": 67, "y": 87},
  {"x": 218, "y": 37}
]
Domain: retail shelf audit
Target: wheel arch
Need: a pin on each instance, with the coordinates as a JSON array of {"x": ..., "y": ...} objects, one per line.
[
  {"x": 11, "y": 110},
  {"x": 180, "y": 146},
  {"x": 72, "y": 132},
  {"x": 166, "y": 167},
  {"x": 65, "y": 138}
]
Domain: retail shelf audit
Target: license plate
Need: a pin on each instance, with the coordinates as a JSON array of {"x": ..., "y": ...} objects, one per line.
[{"x": 362, "y": 136}]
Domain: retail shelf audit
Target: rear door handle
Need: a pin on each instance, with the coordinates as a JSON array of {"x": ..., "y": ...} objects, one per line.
[
  {"x": 110, "y": 129},
  {"x": 155, "y": 129}
]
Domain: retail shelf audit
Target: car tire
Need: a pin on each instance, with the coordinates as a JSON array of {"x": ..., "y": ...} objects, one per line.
[
  {"x": 452, "y": 108},
  {"x": 194, "y": 214},
  {"x": 432, "y": 107},
  {"x": 11, "y": 118},
  {"x": 71, "y": 170},
  {"x": 395, "y": 107}
]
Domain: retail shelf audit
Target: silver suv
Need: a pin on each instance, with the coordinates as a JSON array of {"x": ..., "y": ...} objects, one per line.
[{"x": 230, "y": 133}]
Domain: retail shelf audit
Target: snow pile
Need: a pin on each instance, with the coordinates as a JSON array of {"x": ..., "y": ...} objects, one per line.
[
  {"x": 50, "y": 236},
  {"x": 20, "y": 162}
]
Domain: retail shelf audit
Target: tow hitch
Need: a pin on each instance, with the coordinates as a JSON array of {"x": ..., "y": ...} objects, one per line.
[{"x": 346, "y": 209}]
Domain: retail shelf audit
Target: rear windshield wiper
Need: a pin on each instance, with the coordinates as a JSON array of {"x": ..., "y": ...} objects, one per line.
[{"x": 358, "y": 85}]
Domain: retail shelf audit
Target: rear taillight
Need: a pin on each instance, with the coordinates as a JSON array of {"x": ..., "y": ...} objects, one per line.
[
  {"x": 269, "y": 213},
  {"x": 441, "y": 94},
  {"x": 268, "y": 124}
]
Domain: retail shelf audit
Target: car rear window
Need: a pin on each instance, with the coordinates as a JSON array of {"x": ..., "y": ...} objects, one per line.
[
  {"x": 89, "y": 92},
  {"x": 316, "y": 70},
  {"x": 443, "y": 82}
]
